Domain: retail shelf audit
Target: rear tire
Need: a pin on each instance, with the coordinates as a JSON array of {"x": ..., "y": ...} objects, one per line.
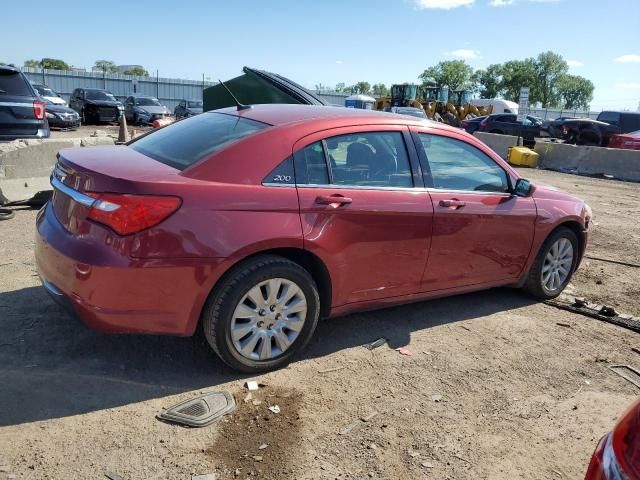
[
  {"x": 554, "y": 266},
  {"x": 224, "y": 326}
]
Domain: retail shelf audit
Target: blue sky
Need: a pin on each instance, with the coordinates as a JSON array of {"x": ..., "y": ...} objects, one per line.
[{"x": 332, "y": 41}]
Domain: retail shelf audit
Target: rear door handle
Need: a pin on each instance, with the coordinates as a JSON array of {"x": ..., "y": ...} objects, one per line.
[
  {"x": 333, "y": 199},
  {"x": 453, "y": 204}
]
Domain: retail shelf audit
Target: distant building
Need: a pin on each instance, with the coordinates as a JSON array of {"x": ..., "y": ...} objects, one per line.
[
  {"x": 77, "y": 69},
  {"x": 126, "y": 68}
]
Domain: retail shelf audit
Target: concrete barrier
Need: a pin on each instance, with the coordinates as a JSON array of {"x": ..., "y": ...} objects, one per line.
[
  {"x": 25, "y": 165},
  {"x": 583, "y": 160},
  {"x": 496, "y": 142}
]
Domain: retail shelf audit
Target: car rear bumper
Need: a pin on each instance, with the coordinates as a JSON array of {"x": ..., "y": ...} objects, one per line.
[
  {"x": 40, "y": 133},
  {"x": 110, "y": 292}
]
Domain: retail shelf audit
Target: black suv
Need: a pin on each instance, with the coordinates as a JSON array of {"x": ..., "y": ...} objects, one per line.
[
  {"x": 22, "y": 111},
  {"x": 96, "y": 105}
]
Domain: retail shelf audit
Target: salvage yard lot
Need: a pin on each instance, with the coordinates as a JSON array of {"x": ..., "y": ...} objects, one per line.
[{"x": 495, "y": 388}]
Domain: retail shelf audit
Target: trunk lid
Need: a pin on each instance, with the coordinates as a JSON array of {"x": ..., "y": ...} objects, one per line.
[{"x": 116, "y": 169}]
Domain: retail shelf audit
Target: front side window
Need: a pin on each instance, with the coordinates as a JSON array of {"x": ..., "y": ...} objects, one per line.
[{"x": 456, "y": 165}]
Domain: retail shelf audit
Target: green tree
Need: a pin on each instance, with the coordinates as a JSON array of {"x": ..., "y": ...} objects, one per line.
[
  {"x": 517, "y": 74},
  {"x": 105, "y": 66},
  {"x": 550, "y": 67},
  {"x": 340, "y": 87},
  {"x": 575, "y": 92},
  {"x": 455, "y": 74},
  {"x": 137, "y": 71},
  {"x": 488, "y": 83},
  {"x": 54, "y": 64},
  {"x": 362, "y": 87},
  {"x": 380, "y": 90},
  {"x": 32, "y": 63}
]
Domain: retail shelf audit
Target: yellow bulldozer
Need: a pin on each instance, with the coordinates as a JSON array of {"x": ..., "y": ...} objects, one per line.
[{"x": 439, "y": 103}]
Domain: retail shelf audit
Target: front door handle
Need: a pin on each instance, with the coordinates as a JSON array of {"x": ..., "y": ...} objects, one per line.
[
  {"x": 453, "y": 204},
  {"x": 333, "y": 200}
]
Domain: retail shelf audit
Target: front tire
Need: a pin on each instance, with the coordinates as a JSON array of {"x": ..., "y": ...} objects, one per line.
[
  {"x": 554, "y": 265},
  {"x": 261, "y": 314}
]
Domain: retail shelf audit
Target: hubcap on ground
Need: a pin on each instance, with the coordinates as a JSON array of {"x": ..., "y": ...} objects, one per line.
[
  {"x": 557, "y": 265},
  {"x": 268, "y": 319}
]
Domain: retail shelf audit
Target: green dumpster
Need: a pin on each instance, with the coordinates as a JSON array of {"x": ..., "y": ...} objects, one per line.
[{"x": 255, "y": 87}]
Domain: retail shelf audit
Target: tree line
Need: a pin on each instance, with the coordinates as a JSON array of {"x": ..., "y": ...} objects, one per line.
[
  {"x": 106, "y": 66},
  {"x": 546, "y": 75}
]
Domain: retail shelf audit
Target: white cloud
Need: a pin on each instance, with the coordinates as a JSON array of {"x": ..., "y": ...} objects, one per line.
[
  {"x": 575, "y": 63},
  {"x": 443, "y": 4},
  {"x": 628, "y": 85},
  {"x": 339, "y": 62},
  {"x": 500, "y": 3},
  {"x": 464, "y": 53},
  {"x": 628, "y": 58}
]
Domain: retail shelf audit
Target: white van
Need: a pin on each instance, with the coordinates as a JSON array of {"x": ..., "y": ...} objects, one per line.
[{"x": 499, "y": 105}]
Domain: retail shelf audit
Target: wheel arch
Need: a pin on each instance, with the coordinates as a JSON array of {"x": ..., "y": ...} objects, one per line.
[{"x": 307, "y": 260}]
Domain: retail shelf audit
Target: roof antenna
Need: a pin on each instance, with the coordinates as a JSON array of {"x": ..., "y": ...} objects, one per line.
[{"x": 240, "y": 106}]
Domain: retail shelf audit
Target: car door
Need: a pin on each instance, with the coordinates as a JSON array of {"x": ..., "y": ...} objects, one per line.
[
  {"x": 364, "y": 211},
  {"x": 482, "y": 233}
]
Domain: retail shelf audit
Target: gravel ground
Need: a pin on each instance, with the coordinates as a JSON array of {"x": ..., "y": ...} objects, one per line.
[{"x": 495, "y": 388}]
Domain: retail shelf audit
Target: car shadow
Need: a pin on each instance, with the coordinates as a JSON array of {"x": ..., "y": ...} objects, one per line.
[{"x": 51, "y": 366}]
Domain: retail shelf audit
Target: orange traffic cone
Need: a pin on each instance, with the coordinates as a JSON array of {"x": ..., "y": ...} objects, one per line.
[{"x": 123, "y": 134}]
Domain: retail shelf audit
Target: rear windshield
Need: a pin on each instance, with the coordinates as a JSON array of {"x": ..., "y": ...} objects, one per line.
[
  {"x": 188, "y": 141},
  {"x": 12, "y": 83}
]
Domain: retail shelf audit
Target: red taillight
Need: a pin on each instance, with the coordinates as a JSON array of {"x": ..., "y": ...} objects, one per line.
[
  {"x": 39, "y": 109},
  {"x": 127, "y": 214},
  {"x": 625, "y": 441}
]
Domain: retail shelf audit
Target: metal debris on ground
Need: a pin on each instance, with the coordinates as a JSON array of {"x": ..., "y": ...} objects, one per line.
[
  {"x": 620, "y": 369},
  {"x": 113, "y": 476},
  {"x": 404, "y": 351},
  {"x": 200, "y": 411},
  {"x": 600, "y": 312},
  {"x": 275, "y": 409},
  {"x": 562, "y": 324},
  {"x": 328, "y": 370},
  {"x": 252, "y": 385},
  {"x": 375, "y": 344}
]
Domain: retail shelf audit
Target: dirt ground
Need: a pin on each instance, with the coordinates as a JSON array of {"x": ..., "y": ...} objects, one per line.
[{"x": 495, "y": 388}]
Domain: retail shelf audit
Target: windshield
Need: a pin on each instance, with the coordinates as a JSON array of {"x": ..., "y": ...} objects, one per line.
[
  {"x": 194, "y": 104},
  {"x": 184, "y": 143},
  {"x": 148, "y": 102},
  {"x": 46, "y": 92},
  {"x": 100, "y": 95}
]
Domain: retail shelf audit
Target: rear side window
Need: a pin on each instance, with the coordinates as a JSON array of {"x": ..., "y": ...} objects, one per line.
[
  {"x": 630, "y": 121},
  {"x": 184, "y": 143},
  {"x": 12, "y": 83}
]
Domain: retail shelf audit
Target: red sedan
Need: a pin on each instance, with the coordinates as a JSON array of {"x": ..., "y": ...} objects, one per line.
[
  {"x": 629, "y": 141},
  {"x": 254, "y": 223},
  {"x": 618, "y": 454}
]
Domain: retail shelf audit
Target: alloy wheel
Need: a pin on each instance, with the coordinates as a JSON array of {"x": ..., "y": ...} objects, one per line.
[{"x": 557, "y": 265}]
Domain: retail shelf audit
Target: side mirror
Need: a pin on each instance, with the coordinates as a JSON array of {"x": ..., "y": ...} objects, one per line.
[{"x": 523, "y": 188}]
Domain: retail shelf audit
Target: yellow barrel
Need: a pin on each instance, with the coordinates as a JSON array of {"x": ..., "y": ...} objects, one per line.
[{"x": 522, "y": 157}]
